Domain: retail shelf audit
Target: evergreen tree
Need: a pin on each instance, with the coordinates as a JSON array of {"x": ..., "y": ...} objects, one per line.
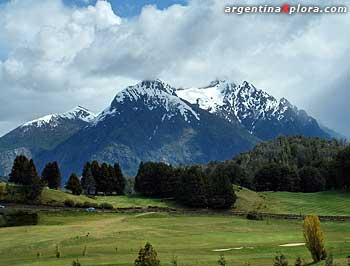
[
  {"x": 96, "y": 173},
  {"x": 220, "y": 189},
  {"x": 120, "y": 181},
  {"x": 87, "y": 180},
  {"x": 19, "y": 170},
  {"x": 342, "y": 168},
  {"x": 52, "y": 175},
  {"x": 311, "y": 179},
  {"x": 73, "y": 184},
  {"x": 105, "y": 177},
  {"x": 193, "y": 188}
]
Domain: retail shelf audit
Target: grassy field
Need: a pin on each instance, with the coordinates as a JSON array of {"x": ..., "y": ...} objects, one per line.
[
  {"x": 320, "y": 203},
  {"x": 191, "y": 238}
]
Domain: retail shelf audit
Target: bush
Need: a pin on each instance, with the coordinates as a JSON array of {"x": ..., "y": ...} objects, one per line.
[
  {"x": 255, "y": 216},
  {"x": 280, "y": 260},
  {"x": 147, "y": 257},
  {"x": 76, "y": 263},
  {"x": 105, "y": 205},
  {"x": 79, "y": 205},
  {"x": 69, "y": 203},
  {"x": 18, "y": 218}
]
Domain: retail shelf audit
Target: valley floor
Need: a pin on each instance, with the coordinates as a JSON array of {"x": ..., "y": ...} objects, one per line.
[{"x": 191, "y": 238}]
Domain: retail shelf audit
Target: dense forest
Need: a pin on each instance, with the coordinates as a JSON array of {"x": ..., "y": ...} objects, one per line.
[{"x": 292, "y": 163}]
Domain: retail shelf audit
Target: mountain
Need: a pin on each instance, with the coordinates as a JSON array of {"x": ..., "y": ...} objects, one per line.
[
  {"x": 149, "y": 122},
  {"x": 41, "y": 134},
  {"x": 260, "y": 113}
]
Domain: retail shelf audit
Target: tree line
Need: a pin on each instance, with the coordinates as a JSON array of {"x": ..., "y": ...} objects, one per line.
[
  {"x": 192, "y": 186},
  {"x": 96, "y": 178},
  {"x": 292, "y": 163}
]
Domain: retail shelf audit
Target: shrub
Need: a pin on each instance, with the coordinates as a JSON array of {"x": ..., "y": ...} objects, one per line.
[
  {"x": 105, "y": 205},
  {"x": 147, "y": 257},
  {"x": 222, "y": 261},
  {"x": 79, "y": 205},
  {"x": 58, "y": 252},
  {"x": 18, "y": 218},
  {"x": 314, "y": 237},
  {"x": 299, "y": 262},
  {"x": 69, "y": 203},
  {"x": 280, "y": 260},
  {"x": 255, "y": 216},
  {"x": 76, "y": 263},
  {"x": 329, "y": 260}
]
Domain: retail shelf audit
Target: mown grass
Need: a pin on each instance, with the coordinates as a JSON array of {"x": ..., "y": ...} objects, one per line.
[
  {"x": 192, "y": 238},
  {"x": 320, "y": 203}
]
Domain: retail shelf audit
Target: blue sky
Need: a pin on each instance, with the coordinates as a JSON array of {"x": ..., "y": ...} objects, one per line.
[
  {"x": 127, "y": 8},
  {"x": 124, "y": 8}
]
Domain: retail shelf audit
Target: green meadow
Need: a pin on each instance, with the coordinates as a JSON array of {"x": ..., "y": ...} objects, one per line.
[{"x": 114, "y": 239}]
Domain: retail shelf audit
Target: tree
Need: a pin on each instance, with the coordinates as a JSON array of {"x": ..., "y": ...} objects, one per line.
[
  {"x": 220, "y": 190},
  {"x": 311, "y": 179},
  {"x": 280, "y": 260},
  {"x": 96, "y": 173},
  {"x": 52, "y": 175},
  {"x": 314, "y": 237},
  {"x": 87, "y": 181},
  {"x": 342, "y": 168},
  {"x": 73, "y": 184},
  {"x": 119, "y": 181},
  {"x": 23, "y": 171},
  {"x": 104, "y": 178},
  {"x": 193, "y": 188},
  {"x": 147, "y": 257},
  {"x": 276, "y": 178}
]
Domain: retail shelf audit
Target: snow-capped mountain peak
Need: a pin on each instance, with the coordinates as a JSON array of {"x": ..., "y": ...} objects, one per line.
[
  {"x": 250, "y": 106},
  {"x": 77, "y": 113},
  {"x": 151, "y": 94}
]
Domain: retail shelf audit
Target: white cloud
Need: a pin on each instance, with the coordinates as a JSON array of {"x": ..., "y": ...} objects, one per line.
[{"x": 71, "y": 55}]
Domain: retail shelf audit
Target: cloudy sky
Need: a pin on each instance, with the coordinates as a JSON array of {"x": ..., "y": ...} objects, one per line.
[{"x": 57, "y": 54}]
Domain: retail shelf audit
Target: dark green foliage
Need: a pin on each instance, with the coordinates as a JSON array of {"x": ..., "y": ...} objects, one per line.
[
  {"x": 342, "y": 168},
  {"x": 255, "y": 216},
  {"x": 87, "y": 181},
  {"x": 193, "y": 188},
  {"x": 69, "y": 203},
  {"x": 119, "y": 180},
  {"x": 103, "y": 178},
  {"x": 299, "y": 262},
  {"x": 274, "y": 177},
  {"x": 155, "y": 180},
  {"x": 105, "y": 205},
  {"x": 222, "y": 261},
  {"x": 76, "y": 262},
  {"x": 233, "y": 170},
  {"x": 311, "y": 179},
  {"x": 73, "y": 184},
  {"x": 52, "y": 175},
  {"x": 147, "y": 257},
  {"x": 220, "y": 190},
  {"x": 90, "y": 204},
  {"x": 293, "y": 152},
  {"x": 280, "y": 260},
  {"x": 18, "y": 218},
  {"x": 24, "y": 173}
]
